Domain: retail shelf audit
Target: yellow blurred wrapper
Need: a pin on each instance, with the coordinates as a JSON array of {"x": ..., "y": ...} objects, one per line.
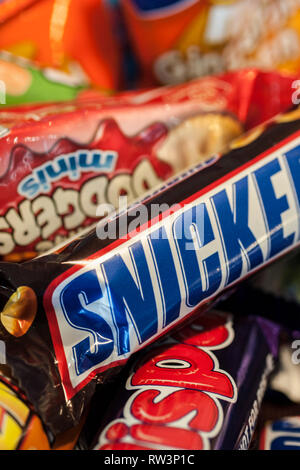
[
  {"x": 20, "y": 427},
  {"x": 179, "y": 40}
]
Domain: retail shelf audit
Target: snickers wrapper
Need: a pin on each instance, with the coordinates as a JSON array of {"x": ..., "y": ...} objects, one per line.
[
  {"x": 281, "y": 434},
  {"x": 73, "y": 316}
]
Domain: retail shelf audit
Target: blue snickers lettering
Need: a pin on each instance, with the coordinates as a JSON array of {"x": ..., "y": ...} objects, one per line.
[
  {"x": 284, "y": 426},
  {"x": 273, "y": 207},
  {"x": 131, "y": 300},
  {"x": 75, "y": 298},
  {"x": 293, "y": 160},
  {"x": 237, "y": 235},
  {"x": 286, "y": 443},
  {"x": 166, "y": 273},
  {"x": 192, "y": 231}
]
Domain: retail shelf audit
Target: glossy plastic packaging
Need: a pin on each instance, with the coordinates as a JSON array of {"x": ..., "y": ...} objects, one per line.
[
  {"x": 21, "y": 428},
  {"x": 73, "y": 316},
  {"x": 200, "y": 388},
  {"x": 281, "y": 434},
  {"x": 59, "y": 162}
]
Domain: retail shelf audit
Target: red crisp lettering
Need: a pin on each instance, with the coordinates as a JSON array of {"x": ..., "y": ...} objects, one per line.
[
  {"x": 175, "y": 406},
  {"x": 198, "y": 373},
  {"x": 213, "y": 332}
]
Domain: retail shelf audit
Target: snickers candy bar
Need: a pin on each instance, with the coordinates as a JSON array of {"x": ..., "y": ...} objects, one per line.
[{"x": 103, "y": 296}]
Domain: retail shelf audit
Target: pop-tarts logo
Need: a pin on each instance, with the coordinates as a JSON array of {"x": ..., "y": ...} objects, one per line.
[
  {"x": 104, "y": 309},
  {"x": 283, "y": 434}
]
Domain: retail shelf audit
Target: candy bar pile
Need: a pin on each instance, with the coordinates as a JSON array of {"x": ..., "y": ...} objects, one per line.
[{"x": 149, "y": 225}]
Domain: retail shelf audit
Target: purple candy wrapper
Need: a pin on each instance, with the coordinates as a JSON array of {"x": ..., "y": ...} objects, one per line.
[{"x": 200, "y": 388}]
